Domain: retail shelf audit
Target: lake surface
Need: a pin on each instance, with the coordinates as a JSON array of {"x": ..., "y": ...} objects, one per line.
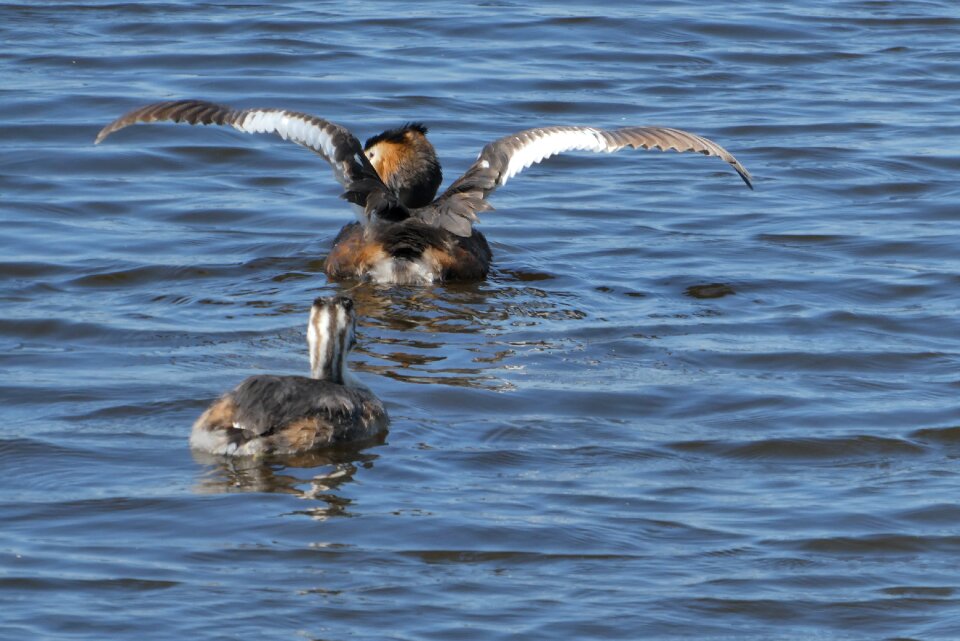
[{"x": 677, "y": 409}]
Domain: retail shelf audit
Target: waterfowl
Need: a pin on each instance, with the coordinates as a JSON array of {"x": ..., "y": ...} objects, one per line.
[
  {"x": 405, "y": 233},
  {"x": 288, "y": 415}
]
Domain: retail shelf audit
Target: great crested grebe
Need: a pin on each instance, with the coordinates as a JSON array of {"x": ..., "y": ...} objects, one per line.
[
  {"x": 406, "y": 234},
  {"x": 287, "y": 415}
]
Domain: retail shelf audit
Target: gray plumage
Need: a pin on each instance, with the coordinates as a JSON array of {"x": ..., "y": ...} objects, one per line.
[{"x": 265, "y": 403}]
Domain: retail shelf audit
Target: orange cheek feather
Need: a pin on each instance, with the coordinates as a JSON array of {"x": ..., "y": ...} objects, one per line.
[{"x": 389, "y": 158}]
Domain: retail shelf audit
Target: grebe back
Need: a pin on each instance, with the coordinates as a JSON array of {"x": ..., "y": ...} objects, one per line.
[
  {"x": 287, "y": 415},
  {"x": 405, "y": 233}
]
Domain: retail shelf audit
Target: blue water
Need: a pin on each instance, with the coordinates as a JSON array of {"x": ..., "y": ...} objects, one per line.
[{"x": 677, "y": 408}]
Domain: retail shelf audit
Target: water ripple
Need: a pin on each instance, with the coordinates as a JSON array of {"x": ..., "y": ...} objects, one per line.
[{"x": 677, "y": 406}]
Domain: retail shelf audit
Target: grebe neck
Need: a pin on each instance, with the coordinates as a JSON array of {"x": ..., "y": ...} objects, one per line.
[{"x": 330, "y": 336}]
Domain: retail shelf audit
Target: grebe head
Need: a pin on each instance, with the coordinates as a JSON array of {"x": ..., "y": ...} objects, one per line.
[
  {"x": 331, "y": 334},
  {"x": 407, "y": 163}
]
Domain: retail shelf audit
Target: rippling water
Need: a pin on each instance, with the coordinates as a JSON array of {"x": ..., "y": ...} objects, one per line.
[{"x": 677, "y": 409}]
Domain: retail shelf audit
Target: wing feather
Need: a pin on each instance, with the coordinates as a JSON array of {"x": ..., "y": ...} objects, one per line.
[
  {"x": 332, "y": 142},
  {"x": 501, "y": 160}
]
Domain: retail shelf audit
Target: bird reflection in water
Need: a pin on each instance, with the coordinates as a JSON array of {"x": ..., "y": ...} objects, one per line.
[
  {"x": 410, "y": 343},
  {"x": 314, "y": 476}
]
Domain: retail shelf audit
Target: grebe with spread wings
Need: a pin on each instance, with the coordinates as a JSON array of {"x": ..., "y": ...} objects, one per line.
[{"x": 405, "y": 233}]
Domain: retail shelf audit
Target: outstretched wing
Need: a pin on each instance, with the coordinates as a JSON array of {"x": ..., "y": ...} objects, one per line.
[
  {"x": 503, "y": 159},
  {"x": 332, "y": 142}
]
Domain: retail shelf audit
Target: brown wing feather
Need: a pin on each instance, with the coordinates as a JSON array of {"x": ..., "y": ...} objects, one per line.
[{"x": 331, "y": 141}]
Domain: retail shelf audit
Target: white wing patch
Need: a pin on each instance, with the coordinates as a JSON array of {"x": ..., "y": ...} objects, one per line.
[
  {"x": 289, "y": 127},
  {"x": 550, "y": 143}
]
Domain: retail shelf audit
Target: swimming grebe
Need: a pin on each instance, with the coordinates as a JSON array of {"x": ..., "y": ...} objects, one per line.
[
  {"x": 287, "y": 415},
  {"x": 405, "y": 233}
]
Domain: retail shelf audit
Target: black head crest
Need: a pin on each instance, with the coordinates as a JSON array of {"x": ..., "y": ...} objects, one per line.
[{"x": 398, "y": 135}]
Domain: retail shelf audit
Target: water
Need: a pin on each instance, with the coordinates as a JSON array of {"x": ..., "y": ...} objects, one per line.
[{"x": 677, "y": 409}]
